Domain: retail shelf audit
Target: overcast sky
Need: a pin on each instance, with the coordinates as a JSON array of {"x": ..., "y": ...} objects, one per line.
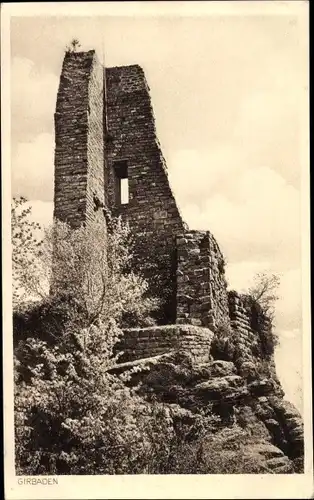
[{"x": 226, "y": 93}]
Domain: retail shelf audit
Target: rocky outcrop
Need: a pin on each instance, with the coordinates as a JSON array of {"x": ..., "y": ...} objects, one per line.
[
  {"x": 217, "y": 387},
  {"x": 275, "y": 460}
]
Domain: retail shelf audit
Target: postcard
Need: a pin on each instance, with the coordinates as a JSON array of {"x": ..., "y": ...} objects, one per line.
[{"x": 156, "y": 250}]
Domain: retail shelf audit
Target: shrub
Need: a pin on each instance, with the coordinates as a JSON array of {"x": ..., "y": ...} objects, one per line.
[
  {"x": 231, "y": 450},
  {"x": 263, "y": 325},
  {"x": 47, "y": 319},
  {"x": 222, "y": 346},
  {"x": 71, "y": 417}
]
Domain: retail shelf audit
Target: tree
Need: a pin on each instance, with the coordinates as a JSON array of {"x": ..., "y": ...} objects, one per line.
[
  {"x": 78, "y": 282},
  {"x": 264, "y": 292},
  {"x": 86, "y": 265},
  {"x": 262, "y": 298},
  {"x": 26, "y": 245},
  {"x": 71, "y": 417}
]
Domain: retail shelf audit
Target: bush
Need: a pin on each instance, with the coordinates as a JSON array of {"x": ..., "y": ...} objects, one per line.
[
  {"x": 222, "y": 346},
  {"x": 71, "y": 417},
  {"x": 231, "y": 451},
  {"x": 47, "y": 319},
  {"x": 86, "y": 265}
]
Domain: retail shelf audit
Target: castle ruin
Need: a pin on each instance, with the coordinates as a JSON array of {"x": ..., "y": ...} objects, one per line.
[{"x": 108, "y": 159}]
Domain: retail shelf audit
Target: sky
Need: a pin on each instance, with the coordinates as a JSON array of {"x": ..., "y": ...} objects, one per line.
[{"x": 226, "y": 92}]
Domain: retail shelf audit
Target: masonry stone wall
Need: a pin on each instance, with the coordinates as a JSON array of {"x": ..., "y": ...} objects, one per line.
[
  {"x": 152, "y": 211},
  {"x": 140, "y": 343},
  {"x": 79, "y": 142},
  {"x": 201, "y": 286}
]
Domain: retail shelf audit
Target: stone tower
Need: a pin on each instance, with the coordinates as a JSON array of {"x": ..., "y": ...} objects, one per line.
[
  {"x": 79, "y": 139},
  {"x": 108, "y": 155}
]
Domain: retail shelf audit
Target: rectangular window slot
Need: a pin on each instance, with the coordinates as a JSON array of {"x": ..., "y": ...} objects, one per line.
[{"x": 121, "y": 182}]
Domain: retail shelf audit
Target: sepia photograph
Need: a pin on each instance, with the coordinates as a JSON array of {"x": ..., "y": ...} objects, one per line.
[{"x": 156, "y": 250}]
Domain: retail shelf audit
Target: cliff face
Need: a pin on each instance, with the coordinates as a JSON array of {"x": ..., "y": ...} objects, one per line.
[
  {"x": 229, "y": 372},
  {"x": 193, "y": 376}
]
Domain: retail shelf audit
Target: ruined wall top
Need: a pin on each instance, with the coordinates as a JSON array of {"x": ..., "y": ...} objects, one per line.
[{"x": 127, "y": 78}]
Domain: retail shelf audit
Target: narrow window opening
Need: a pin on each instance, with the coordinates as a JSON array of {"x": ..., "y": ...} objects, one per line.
[
  {"x": 121, "y": 182},
  {"x": 124, "y": 191}
]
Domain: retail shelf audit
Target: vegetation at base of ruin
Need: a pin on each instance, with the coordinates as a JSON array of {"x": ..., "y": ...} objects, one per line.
[
  {"x": 73, "y": 418},
  {"x": 71, "y": 415},
  {"x": 228, "y": 451},
  {"x": 64, "y": 400}
]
